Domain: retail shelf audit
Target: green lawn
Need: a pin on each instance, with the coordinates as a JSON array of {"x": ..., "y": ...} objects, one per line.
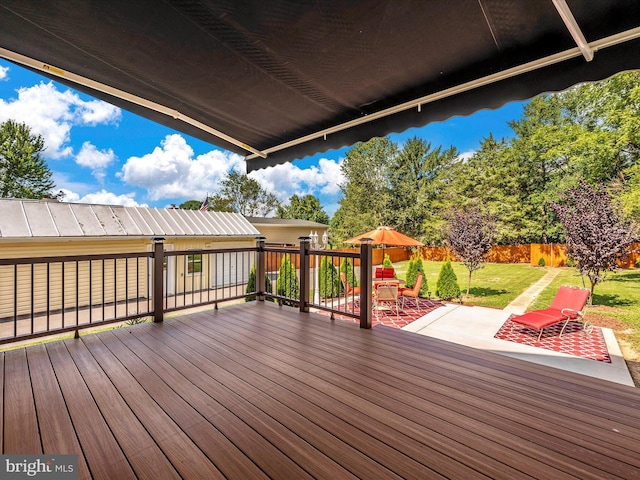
[{"x": 494, "y": 285}]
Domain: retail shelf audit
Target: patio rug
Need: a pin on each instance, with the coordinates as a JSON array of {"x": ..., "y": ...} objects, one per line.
[
  {"x": 573, "y": 341},
  {"x": 388, "y": 318}
]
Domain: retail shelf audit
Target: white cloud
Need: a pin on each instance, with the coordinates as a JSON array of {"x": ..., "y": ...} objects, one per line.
[
  {"x": 4, "y": 73},
  {"x": 171, "y": 171},
  {"x": 102, "y": 198},
  {"x": 287, "y": 179},
  {"x": 97, "y": 160},
  {"x": 466, "y": 155},
  {"x": 52, "y": 113}
]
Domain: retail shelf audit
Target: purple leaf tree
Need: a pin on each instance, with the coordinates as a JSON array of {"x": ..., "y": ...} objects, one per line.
[
  {"x": 597, "y": 237},
  {"x": 469, "y": 234}
]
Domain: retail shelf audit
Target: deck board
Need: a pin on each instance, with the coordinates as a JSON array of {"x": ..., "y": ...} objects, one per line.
[
  {"x": 20, "y": 420},
  {"x": 101, "y": 450},
  {"x": 56, "y": 428},
  {"x": 142, "y": 452},
  {"x": 261, "y": 391},
  {"x": 184, "y": 454}
]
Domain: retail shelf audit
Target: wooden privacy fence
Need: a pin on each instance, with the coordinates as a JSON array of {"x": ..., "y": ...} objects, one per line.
[
  {"x": 554, "y": 254},
  {"x": 497, "y": 254}
]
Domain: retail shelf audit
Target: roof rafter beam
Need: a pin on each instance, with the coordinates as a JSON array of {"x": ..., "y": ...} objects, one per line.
[
  {"x": 129, "y": 97},
  {"x": 596, "y": 45},
  {"x": 574, "y": 29}
]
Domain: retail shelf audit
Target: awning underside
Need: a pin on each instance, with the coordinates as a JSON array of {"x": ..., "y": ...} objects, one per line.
[{"x": 278, "y": 80}]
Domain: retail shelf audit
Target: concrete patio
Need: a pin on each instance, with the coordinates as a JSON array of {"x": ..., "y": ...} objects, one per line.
[{"x": 476, "y": 326}]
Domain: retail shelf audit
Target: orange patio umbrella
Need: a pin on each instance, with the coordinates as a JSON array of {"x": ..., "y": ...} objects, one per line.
[{"x": 387, "y": 236}]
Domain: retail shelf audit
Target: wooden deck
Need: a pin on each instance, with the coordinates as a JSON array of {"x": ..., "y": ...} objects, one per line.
[{"x": 259, "y": 391}]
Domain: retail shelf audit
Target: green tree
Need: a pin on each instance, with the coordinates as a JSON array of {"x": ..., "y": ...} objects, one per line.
[
  {"x": 488, "y": 178},
  {"x": 244, "y": 195},
  {"x": 329, "y": 278},
  {"x": 191, "y": 205},
  {"x": 287, "y": 284},
  {"x": 630, "y": 196},
  {"x": 365, "y": 201},
  {"x": 346, "y": 267},
  {"x": 447, "y": 285},
  {"x": 23, "y": 171},
  {"x": 216, "y": 204},
  {"x": 251, "y": 284},
  {"x": 303, "y": 208},
  {"x": 414, "y": 268},
  {"x": 415, "y": 175}
]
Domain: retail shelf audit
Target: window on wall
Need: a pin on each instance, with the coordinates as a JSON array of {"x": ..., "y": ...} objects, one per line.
[{"x": 194, "y": 264}]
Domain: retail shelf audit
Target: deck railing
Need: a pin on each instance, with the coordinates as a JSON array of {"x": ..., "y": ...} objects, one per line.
[{"x": 52, "y": 295}]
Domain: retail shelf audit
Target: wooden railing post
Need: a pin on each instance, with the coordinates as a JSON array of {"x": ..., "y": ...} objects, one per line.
[
  {"x": 305, "y": 273},
  {"x": 365, "y": 282},
  {"x": 261, "y": 286},
  {"x": 158, "y": 278}
]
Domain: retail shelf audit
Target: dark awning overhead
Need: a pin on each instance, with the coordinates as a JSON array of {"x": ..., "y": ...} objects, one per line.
[{"x": 277, "y": 80}]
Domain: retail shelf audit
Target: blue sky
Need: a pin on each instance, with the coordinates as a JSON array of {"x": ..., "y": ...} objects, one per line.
[{"x": 99, "y": 153}]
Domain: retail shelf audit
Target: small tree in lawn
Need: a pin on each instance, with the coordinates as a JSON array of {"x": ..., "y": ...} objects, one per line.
[
  {"x": 447, "y": 285},
  {"x": 412, "y": 272},
  {"x": 329, "y": 278},
  {"x": 287, "y": 284},
  {"x": 469, "y": 235},
  {"x": 413, "y": 269},
  {"x": 386, "y": 263},
  {"x": 597, "y": 237},
  {"x": 346, "y": 267},
  {"x": 251, "y": 284}
]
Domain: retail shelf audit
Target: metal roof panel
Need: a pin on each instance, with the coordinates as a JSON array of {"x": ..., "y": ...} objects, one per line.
[
  {"x": 87, "y": 219},
  {"x": 125, "y": 217},
  {"x": 108, "y": 221},
  {"x": 66, "y": 222},
  {"x": 34, "y": 219},
  {"x": 13, "y": 222},
  {"x": 40, "y": 220}
]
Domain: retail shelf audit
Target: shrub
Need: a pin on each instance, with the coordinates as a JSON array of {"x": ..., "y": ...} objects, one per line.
[
  {"x": 571, "y": 262},
  {"x": 329, "y": 279},
  {"x": 447, "y": 286},
  {"x": 412, "y": 272},
  {"x": 346, "y": 267},
  {"x": 386, "y": 263},
  {"x": 638, "y": 263},
  {"x": 413, "y": 269},
  {"x": 541, "y": 262},
  {"x": 287, "y": 284},
  {"x": 251, "y": 284}
]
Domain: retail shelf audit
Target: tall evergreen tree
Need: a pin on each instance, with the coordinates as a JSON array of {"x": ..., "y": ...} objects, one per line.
[
  {"x": 414, "y": 176},
  {"x": 23, "y": 171}
]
